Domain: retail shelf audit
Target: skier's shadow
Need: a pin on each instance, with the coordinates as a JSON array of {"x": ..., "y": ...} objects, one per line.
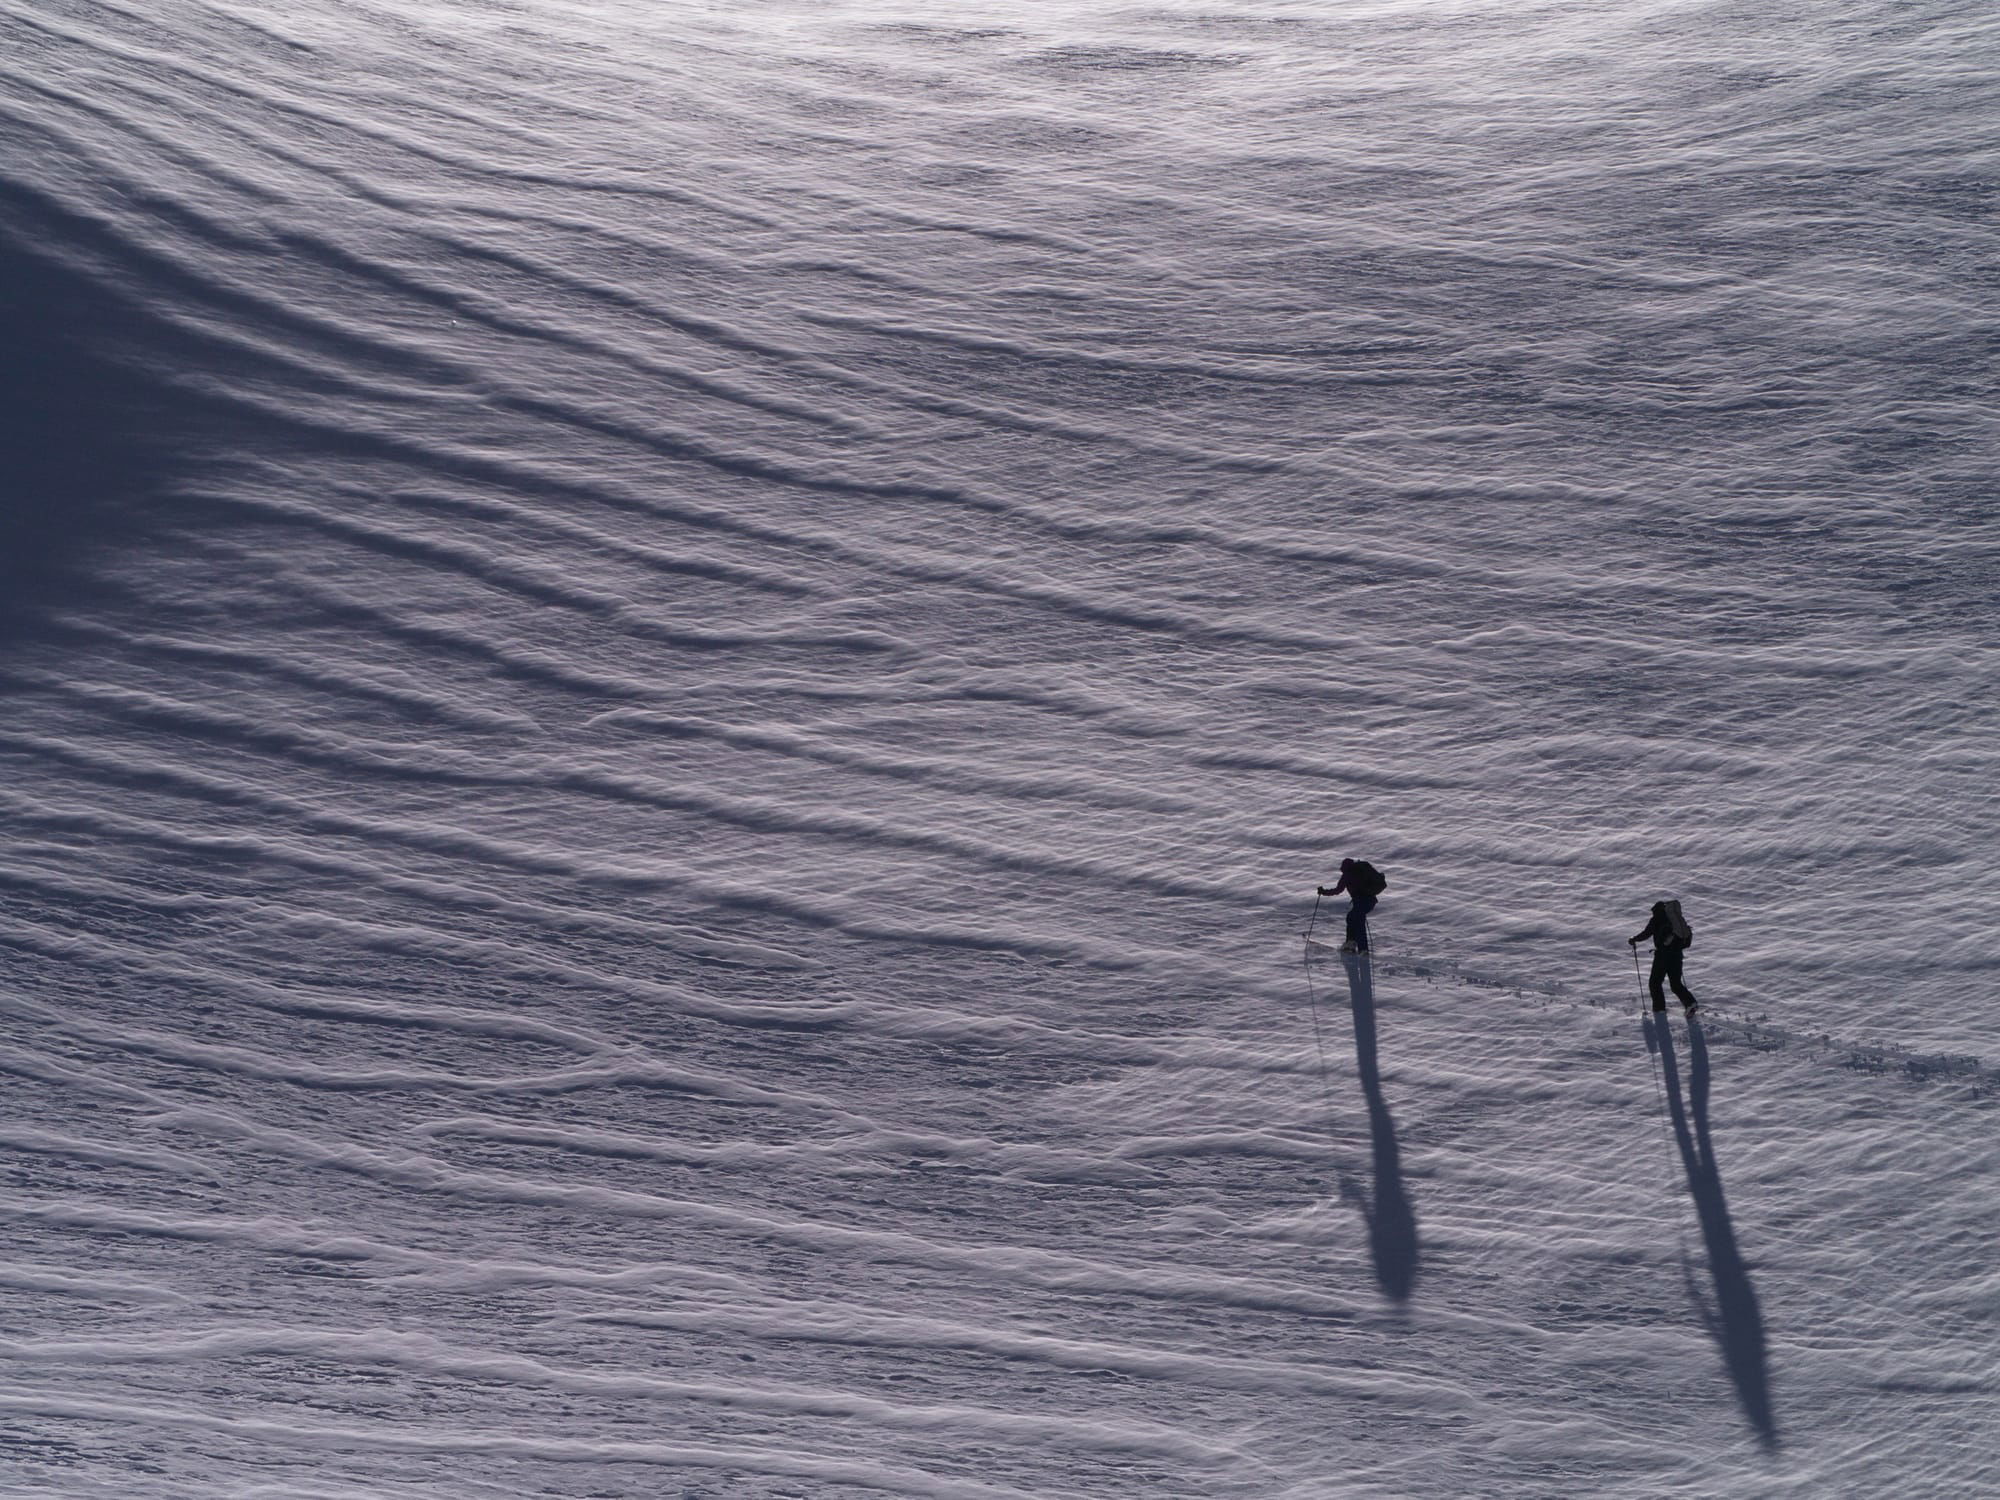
[
  {"x": 1734, "y": 1320},
  {"x": 1392, "y": 1223}
]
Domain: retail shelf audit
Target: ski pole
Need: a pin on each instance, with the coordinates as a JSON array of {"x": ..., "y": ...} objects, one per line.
[
  {"x": 1312, "y": 995},
  {"x": 1315, "y": 919},
  {"x": 1636, "y": 979}
]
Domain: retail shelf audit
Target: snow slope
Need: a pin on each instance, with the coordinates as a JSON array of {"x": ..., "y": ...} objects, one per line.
[{"x": 676, "y": 677}]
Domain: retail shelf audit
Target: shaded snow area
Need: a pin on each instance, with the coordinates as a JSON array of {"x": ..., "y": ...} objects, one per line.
[{"x": 676, "y": 676}]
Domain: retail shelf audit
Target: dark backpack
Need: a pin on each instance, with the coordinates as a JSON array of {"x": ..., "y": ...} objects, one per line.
[
  {"x": 1677, "y": 924},
  {"x": 1365, "y": 880}
]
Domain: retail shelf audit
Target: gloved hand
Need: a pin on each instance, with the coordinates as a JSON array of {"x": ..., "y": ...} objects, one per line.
[{"x": 1323, "y": 890}]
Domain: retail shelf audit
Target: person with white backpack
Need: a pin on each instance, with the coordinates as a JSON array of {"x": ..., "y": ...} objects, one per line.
[{"x": 1671, "y": 939}]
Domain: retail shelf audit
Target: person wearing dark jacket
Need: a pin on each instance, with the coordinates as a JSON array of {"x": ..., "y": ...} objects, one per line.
[
  {"x": 1670, "y": 942},
  {"x": 1361, "y": 885}
]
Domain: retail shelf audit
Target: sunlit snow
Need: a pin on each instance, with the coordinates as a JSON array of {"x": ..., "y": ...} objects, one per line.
[{"x": 676, "y": 679}]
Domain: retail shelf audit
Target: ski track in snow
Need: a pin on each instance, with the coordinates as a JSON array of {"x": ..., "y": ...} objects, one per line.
[{"x": 676, "y": 680}]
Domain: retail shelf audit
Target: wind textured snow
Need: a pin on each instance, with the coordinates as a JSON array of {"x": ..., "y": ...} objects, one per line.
[{"x": 676, "y": 678}]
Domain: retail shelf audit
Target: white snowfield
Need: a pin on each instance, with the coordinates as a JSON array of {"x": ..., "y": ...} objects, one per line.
[{"x": 676, "y": 677}]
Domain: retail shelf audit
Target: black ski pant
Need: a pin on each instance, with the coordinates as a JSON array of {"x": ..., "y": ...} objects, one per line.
[
  {"x": 1358, "y": 908},
  {"x": 1667, "y": 966}
]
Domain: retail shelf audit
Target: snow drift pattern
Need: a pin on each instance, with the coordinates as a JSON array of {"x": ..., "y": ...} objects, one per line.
[{"x": 676, "y": 679}]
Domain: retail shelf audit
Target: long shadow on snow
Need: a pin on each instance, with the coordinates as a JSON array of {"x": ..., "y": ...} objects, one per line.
[
  {"x": 1734, "y": 1320},
  {"x": 1392, "y": 1223},
  {"x": 91, "y": 439}
]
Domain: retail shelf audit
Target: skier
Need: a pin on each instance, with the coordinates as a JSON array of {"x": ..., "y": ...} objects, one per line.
[
  {"x": 1362, "y": 883},
  {"x": 1669, "y": 931}
]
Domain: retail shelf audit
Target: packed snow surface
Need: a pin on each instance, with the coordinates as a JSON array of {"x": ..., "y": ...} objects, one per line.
[{"x": 677, "y": 675}]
